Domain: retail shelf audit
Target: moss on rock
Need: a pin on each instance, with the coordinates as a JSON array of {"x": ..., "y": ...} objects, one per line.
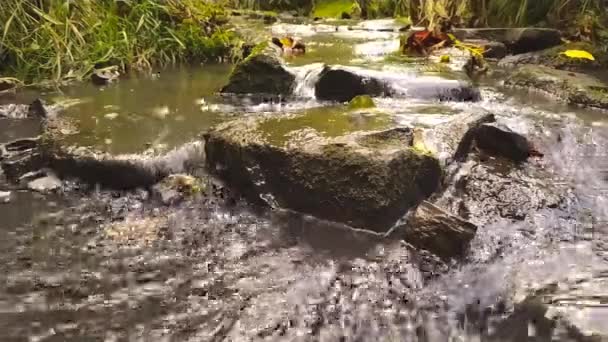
[
  {"x": 364, "y": 179},
  {"x": 261, "y": 72},
  {"x": 361, "y": 102},
  {"x": 572, "y": 88}
]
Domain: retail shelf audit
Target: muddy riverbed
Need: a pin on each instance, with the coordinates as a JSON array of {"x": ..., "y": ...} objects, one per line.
[{"x": 83, "y": 263}]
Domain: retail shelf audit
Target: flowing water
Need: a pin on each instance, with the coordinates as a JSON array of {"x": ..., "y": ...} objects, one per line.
[{"x": 95, "y": 265}]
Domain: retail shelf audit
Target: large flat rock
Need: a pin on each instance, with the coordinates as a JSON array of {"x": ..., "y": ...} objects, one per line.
[
  {"x": 517, "y": 40},
  {"x": 366, "y": 179},
  {"x": 572, "y": 88}
]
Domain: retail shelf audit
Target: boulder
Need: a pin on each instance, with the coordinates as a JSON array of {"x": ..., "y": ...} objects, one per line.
[
  {"x": 572, "y": 88},
  {"x": 499, "y": 140},
  {"x": 517, "y": 40},
  {"x": 261, "y": 72},
  {"x": 365, "y": 179},
  {"x": 432, "y": 228},
  {"x": 337, "y": 84}
]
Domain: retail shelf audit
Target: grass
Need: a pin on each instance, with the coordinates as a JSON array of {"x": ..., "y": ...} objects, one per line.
[
  {"x": 61, "y": 40},
  {"x": 333, "y": 8}
]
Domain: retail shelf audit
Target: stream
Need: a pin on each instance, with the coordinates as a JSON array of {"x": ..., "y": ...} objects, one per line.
[{"x": 87, "y": 264}]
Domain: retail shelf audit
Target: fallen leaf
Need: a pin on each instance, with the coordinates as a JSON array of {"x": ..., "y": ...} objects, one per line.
[{"x": 579, "y": 54}]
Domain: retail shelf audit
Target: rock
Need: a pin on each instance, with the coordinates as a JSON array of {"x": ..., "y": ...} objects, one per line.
[
  {"x": 517, "y": 40},
  {"x": 490, "y": 190},
  {"x": 105, "y": 76},
  {"x": 365, "y": 179},
  {"x": 500, "y": 140},
  {"x": 261, "y": 72},
  {"x": 45, "y": 184},
  {"x": 5, "y": 197},
  {"x": 20, "y": 157},
  {"x": 572, "y": 88},
  {"x": 433, "y": 229},
  {"x": 361, "y": 102},
  {"x": 175, "y": 188},
  {"x": 37, "y": 109},
  {"x": 453, "y": 140},
  {"x": 554, "y": 57},
  {"x": 342, "y": 85}
]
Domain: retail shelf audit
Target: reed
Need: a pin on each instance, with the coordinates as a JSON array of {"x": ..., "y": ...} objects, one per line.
[{"x": 62, "y": 40}]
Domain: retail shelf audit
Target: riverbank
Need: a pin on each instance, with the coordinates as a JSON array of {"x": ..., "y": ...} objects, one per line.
[{"x": 65, "y": 41}]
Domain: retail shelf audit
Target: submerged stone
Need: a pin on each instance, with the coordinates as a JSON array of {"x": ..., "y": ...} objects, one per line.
[
  {"x": 438, "y": 231},
  {"x": 572, "y": 88},
  {"x": 365, "y": 179},
  {"x": 261, "y": 72}
]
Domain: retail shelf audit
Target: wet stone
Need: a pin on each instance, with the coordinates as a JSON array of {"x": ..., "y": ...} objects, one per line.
[
  {"x": 364, "y": 179},
  {"x": 572, "y": 88},
  {"x": 438, "y": 231},
  {"x": 500, "y": 140},
  {"x": 45, "y": 184}
]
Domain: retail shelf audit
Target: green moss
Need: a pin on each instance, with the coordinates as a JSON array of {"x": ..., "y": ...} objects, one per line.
[
  {"x": 257, "y": 50},
  {"x": 361, "y": 102},
  {"x": 334, "y": 8}
]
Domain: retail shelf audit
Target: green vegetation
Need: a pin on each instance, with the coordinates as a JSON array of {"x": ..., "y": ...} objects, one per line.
[
  {"x": 62, "y": 40},
  {"x": 335, "y": 8}
]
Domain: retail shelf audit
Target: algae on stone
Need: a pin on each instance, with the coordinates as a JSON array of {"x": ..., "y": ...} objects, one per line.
[
  {"x": 365, "y": 179},
  {"x": 261, "y": 72},
  {"x": 572, "y": 88},
  {"x": 361, "y": 102}
]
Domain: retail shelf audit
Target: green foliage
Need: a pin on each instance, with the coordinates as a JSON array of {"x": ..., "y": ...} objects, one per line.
[
  {"x": 62, "y": 40},
  {"x": 334, "y": 8}
]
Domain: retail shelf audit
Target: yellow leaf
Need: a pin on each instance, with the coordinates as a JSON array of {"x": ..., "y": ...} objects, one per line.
[
  {"x": 287, "y": 42},
  {"x": 578, "y": 54}
]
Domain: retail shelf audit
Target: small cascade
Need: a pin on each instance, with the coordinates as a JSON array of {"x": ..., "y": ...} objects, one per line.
[{"x": 306, "y": 78}]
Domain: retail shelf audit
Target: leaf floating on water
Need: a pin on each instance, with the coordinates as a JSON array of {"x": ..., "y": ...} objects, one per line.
[{"x": 578, "y": 54}]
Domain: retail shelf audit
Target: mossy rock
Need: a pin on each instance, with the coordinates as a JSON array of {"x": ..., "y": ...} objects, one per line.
[
  {"x": 361, "y": 102},
  {"x": 555, "y": 58},
  {"x": 365, "y": 179},
  {"x": 572, "y": 88},
  {"x": 261, "y": 72},
  {"x": 341, "y": 9}
]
